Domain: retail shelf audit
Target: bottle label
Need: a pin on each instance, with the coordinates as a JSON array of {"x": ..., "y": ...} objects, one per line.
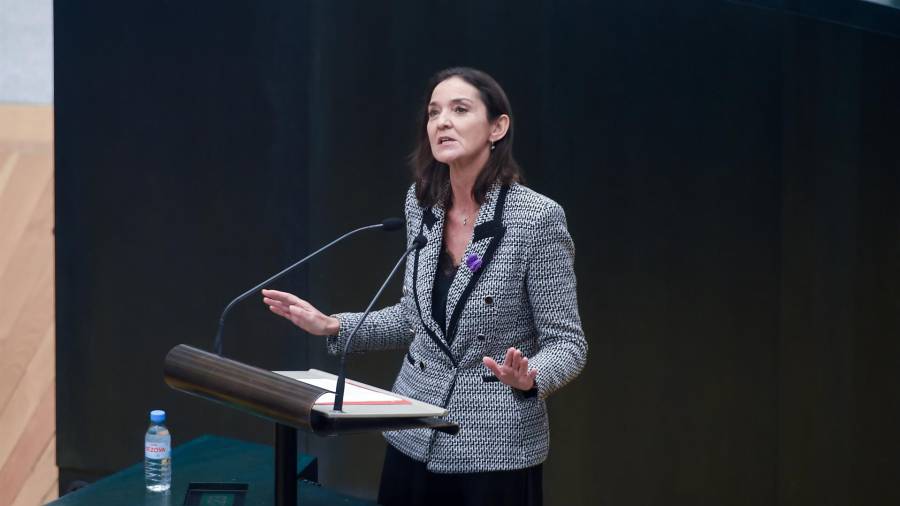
[{"x": 156, "y": 451}]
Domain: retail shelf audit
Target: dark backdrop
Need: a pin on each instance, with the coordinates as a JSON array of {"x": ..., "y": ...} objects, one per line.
[{"x": 729, "y": 172}]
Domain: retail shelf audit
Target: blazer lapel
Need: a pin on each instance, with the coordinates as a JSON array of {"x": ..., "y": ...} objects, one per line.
[
  {"x": 486, "y": 238},
  {"x": 425, "y": 266}
]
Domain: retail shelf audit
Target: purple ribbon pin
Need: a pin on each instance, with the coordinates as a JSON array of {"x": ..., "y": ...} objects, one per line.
[{"x": 473, "y": 262}]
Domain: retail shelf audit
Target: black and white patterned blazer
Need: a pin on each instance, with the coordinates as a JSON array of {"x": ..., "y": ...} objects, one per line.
[{"x": 523, "y": 295}]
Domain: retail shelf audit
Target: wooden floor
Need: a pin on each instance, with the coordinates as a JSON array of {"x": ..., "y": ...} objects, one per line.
[{"x": 28, "y": 472}]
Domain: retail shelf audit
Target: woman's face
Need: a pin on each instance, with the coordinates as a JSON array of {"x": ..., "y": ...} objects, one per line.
[{"x": 458, "y": 126}]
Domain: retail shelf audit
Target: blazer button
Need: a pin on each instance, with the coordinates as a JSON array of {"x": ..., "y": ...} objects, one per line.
[
  {"x": 480, "y": 337},
  {"x": 488, "y": 300},
  {"x": 421, "y": 365}
]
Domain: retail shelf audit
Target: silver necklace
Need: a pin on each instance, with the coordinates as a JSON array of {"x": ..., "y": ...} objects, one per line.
[{"x": 465, "y": 218}]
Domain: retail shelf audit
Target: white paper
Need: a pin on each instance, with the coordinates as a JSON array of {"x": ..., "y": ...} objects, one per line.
[{"x": 352, "y": 393}]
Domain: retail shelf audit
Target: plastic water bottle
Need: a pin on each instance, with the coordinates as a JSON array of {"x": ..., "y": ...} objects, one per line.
[{"x": 158, "y": 454}]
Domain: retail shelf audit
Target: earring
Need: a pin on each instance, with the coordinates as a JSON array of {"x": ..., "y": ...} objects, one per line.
[{"x": 492, "y": 145}]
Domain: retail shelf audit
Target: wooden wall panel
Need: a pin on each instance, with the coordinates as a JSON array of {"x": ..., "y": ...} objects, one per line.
[{"x": 28, "y": 472}]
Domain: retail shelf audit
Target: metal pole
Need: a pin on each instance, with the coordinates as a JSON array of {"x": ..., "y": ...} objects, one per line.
[{"x": 285, "y": 465}]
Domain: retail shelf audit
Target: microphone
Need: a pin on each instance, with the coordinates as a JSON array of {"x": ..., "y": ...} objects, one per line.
[
  {"x": 418, "y": 243},
  {"x": 391, "y": 224},
  {"x": 388, "y": 225}
]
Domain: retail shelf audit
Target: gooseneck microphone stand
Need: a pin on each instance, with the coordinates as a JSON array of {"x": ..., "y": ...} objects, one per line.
[
  {"x": 386, "y": 225},
  {"x": 418, "y": 243}
]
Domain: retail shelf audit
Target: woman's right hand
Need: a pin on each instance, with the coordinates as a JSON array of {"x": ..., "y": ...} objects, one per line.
[{"x": 301, "y": 313}]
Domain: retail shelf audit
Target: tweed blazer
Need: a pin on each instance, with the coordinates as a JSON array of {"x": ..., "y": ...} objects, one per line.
[{"x": 523, "y": 295}]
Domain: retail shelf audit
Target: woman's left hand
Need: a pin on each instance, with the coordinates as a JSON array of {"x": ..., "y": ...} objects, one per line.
[{"x": 514, "y": 370}]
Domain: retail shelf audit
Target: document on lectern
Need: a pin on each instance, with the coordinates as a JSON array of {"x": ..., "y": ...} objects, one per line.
[
  {"x": 353, "y": 393},
  {"x": 361, "y": 400}
]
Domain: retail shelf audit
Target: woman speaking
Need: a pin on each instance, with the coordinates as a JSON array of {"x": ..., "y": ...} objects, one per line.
[{"x": 489, "y": 313}]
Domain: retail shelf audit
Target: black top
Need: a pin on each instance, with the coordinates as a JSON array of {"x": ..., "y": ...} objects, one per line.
[{"x": 443, "y": 278}]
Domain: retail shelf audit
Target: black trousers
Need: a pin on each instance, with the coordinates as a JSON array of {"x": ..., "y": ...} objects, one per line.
[{"x": 405, "y": 481}]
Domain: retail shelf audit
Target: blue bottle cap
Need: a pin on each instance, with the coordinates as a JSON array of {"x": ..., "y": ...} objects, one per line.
[{"x": 157, "y": 416}]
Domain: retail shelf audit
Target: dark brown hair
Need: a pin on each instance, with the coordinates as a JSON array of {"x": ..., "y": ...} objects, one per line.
[{"x": 433, "y": 177}]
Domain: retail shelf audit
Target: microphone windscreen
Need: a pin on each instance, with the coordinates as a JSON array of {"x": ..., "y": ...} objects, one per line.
[
  {"x": 420, "y": 241},
  {"x": 390, "y": 224}
]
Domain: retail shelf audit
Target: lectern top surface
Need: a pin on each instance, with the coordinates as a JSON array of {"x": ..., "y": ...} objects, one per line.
[{"x": 391, "y": 405}]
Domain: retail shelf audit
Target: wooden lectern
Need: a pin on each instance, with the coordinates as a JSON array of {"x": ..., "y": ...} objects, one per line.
[{"x": 290, "y": 403}]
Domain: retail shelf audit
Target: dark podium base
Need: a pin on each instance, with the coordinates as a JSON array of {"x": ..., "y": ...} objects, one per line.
[{"x": 210, "y": 459}]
